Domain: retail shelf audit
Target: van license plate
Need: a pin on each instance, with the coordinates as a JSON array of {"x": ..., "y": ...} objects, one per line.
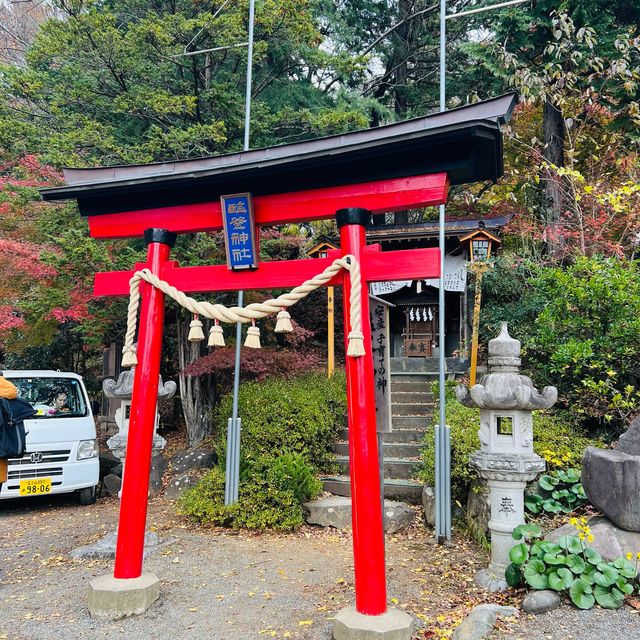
[{"x": 35, "y": 487}]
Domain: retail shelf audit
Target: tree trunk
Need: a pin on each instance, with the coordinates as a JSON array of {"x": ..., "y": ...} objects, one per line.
[
  {"x": 197, "y": 393},
  {"x": 553, "y": 126}
]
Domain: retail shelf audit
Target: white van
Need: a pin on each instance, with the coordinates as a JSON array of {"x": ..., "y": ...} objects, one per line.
[{"x": 62, "y": 449}]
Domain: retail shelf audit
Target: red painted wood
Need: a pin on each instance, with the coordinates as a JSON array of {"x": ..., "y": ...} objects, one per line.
[
  {"x": 315, "y": 204},
  {"x": 376, "y": 266},
  {"x": 364, "y": 468},
  {"x": 135, "y": 487}
]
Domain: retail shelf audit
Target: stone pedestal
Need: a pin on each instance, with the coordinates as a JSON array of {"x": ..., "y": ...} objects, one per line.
[
  {"x": 112, "y": 598},
  {"x": 392, "y": 625}
]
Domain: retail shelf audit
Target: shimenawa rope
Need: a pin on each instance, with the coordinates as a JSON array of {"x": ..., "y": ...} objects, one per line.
[{"x": 251, "y": 312}]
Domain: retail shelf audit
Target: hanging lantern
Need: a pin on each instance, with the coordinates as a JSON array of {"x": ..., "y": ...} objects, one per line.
[{"x": 479, "y": 244}]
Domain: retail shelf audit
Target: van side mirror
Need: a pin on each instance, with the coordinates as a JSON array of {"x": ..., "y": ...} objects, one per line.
[{"x": 95, "y": 407}]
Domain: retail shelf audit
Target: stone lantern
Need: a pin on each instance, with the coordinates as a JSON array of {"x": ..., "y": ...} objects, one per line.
[
  {"x": 122, "y": 389},
  {"x": 506, "y": 459}
]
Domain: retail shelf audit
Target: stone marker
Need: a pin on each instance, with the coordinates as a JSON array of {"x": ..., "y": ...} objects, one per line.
[
  {"x": 112, "y": 484},
  {"x": 611, "y": 480},
  {"x": 335, "y": 511},
  {"x": 178, "y": 485},
  {"x": 629, "y": 441},
  {"x": 541, "y": 601},
  {"x": 112, "y": 598},
  {"x": 480, "y": 622},
  {"x": 159, "y": 465}
]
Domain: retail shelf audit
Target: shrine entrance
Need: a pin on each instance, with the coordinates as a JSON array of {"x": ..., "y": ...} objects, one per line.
[
  {"x": 401, "y": 166},
  {"x": 420, "y": 337}
]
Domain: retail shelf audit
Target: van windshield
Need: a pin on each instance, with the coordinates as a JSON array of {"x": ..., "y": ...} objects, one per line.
[{"x": 52, "y": 397}]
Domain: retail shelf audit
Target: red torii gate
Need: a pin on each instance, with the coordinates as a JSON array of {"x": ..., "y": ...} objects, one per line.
[
  {"x": 375, "y": 266},
  {"x": 392, "y": 168}
]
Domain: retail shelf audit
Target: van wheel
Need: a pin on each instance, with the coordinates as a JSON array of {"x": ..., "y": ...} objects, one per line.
[{"x": 87, "y": 495}]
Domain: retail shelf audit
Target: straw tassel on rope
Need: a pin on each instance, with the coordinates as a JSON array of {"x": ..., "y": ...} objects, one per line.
[
  {"x": 195, "y": 330},
  {"x": 283, "y": 324},
  {"x": 129, "y": 358},
  {"x": 253, "y": 336},
  {"x": 216, "y": 335}
]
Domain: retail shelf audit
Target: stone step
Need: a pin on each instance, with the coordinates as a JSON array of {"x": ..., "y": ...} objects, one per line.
[
  {"x": 410, "y": 422},
  {"x": 396, "y": 436},
  {"x": 403, "y": 450},
  {"x": 400, "y": 436},
  {"x": 413, "y": 386},
  {"x": 407, "y": 490},
  {"x": 412, "y": 409},
  {"x": 392, "y": 467},
  {"x": 405, "y": 397}
]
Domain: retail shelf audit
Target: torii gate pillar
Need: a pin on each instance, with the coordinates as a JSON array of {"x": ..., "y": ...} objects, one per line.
[{"x": 370, "y": 617}]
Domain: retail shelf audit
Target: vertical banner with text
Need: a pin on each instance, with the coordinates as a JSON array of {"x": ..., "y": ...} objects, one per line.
[{"x": 239, "y": 231}]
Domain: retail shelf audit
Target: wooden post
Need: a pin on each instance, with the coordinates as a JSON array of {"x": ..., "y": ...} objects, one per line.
[
  {"x": 368, "y": 532},
  {"x": 135, "y": 485},
  {"x": 478, "y": 268}
]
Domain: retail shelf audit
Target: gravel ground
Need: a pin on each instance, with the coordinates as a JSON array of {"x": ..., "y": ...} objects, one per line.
[
  {"x": 218, "y": 584},
  {"x": 214, "y": 583},
  {"x": 569, "y": 623}
]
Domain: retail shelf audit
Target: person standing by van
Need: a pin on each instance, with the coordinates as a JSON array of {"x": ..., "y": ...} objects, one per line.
[{"x": 8, "y": 391}]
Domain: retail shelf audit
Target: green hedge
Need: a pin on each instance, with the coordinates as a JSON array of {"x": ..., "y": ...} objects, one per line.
[
  {"x": 300, "y": 415},
  {"x": 557, "y": 438},
  {"x": 288, "y": 430},
  {"x": 271, "y": 495}
]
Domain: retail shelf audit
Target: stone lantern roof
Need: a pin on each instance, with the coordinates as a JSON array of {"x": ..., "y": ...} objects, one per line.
[
  {"x": 504, "y": 387},
  {"x": 123, "y": 387}
]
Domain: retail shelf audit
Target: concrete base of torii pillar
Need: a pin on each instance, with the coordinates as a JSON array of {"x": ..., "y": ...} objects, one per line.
[
  {"x": 113, "y": 598},
  {"x": 392, "y": 625}
]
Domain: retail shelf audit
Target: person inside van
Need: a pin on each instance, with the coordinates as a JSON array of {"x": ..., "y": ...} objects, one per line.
[{"x": 60, "y": 403}]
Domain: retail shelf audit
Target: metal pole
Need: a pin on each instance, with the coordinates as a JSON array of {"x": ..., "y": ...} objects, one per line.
[
  {"x": 443, "y": 440},
  {"x": 443, "y": 475},
  {"x": 232, "y": 470}
]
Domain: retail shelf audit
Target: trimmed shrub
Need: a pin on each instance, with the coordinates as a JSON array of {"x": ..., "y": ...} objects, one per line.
[
  {"x": 288, "y": 430},
  {"x": 271, "y": 494},
  {"x": 301, "y": 415}
]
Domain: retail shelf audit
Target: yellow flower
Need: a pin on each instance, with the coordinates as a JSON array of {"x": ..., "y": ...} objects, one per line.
[
  {"x": 581, "y": 536},
  {"x": 590, "y": 538},
  {"x": 573, "y": 521},
  {"x": 638, "y": 555},
  {"x": 629, "y": 555}
]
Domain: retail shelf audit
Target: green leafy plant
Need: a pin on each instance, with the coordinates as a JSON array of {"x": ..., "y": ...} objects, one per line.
[
  {"x": 271, "y": 494},
  {"x": 569, "y": 565},
  {"x": 557, "y": 492}
]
